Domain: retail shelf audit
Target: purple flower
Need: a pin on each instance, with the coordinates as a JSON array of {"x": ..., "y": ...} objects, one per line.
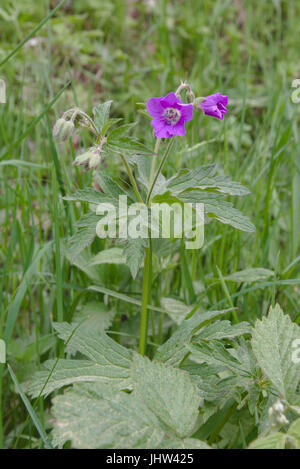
[
  {"x": 215, "y": 105},
  {"x": 169, "y": 114}
]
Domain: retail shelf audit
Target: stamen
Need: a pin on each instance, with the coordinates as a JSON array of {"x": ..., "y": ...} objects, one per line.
[{"x": 172, "y": 115}]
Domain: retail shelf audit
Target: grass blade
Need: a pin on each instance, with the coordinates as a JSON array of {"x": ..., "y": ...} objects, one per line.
[{"x": 30, "y": 409}]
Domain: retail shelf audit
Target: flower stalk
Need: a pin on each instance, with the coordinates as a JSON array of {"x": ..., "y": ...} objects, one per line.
[
  {"x": 161, "y": 165},
  {"x": 145, "y": 298}
]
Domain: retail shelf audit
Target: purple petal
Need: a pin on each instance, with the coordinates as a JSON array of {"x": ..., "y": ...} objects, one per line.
[
  {"x": 164, "y": 133},
  {"x": 216, "y": 98},
  {"x": 170, "y": 100},
  {"x": 222, "y": 108},
  {"x": 215, "y": 105},
  {"x": 223, "y": 100},
  {"x": 187, "y": 111},
  {"x": 154, "y": 107},
  {"x": 211, "y": 99},
  {"x": 213, "y": 111},
  {"x": 160, "y": 128},
  {"x": 179, "y": 129}
]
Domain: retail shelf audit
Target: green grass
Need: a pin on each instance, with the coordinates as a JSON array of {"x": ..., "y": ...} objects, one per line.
[{"x": 127, "y": 52}]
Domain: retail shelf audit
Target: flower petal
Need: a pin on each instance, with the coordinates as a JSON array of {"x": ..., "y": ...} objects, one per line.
[
  {"x": 222, "y": 108},
  {"x": 154, "y": 107},
  {"x": 170, "y": 100},
  {"x": 160, "y": 128},
  {"x": 223, "y": 100},
  {"x": 213, "y": 111},
  {"x": 179, "y": 129},
  {"x": 187, "y": 111}
]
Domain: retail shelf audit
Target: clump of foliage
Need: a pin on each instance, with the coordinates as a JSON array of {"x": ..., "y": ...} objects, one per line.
[{"x": 206, "y": 377}]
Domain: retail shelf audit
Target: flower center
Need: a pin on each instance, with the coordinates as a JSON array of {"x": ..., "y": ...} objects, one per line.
[{"x": 172, "y": 115}]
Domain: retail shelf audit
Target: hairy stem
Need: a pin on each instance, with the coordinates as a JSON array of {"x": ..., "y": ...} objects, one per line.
[
  {"x": 145, "y": 296},
  {"x": 148, "y": 253},
  {"x": 161, "y": 165},
  {"x": 154, "y": 161},
  {"x": 132, "y": 179}
]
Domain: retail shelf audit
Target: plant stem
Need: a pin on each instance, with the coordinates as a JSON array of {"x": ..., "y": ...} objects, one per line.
[
  {"x": 148, "y": 253},
  {"x": 161, "y": 165},
  {"x": 132, "y": 180},
  {"x": 147, "y": 268},
  {"x": 154, "y": 161},
  {"x": 145, "y": 295}
]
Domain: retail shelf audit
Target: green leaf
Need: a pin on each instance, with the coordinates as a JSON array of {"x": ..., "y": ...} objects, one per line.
[
  {"x": 168, "y": 392},
  {"x": 119, "y": 132},
  {"x": 177, "y": 310},
  {"x": 109, "y": 256},
  {"x": 203, "y": 178},
  {"x": 84, "y": 236},
  {"x": 215, "y": 353},
  {"x": 215, "y": 206},
  {"x": 211, "y": 387},
  {"x": 89, "y": 195},
  {"x": 186, "y": 443},
  {"x": 101, "y": 114},
  {"x": 93, "y": 316},
  {"x": 109, "y": 363},
  {"x": 294, "y": 433},
  {"x": 250, "y": 275},
  {"x": 134, "y": 252},
  {"x": 66, "y": 372},
  {"x": 110, "y": 187},
  {"x": 275, "y": 441},
  {"x": 81, "y": 261},
  {"x": 222, "y": 330},
  {"x": 92, "y": 416},
  {"x": 272, "y": 344},
  {"x": 173, "y": 351},
  {"x": 97, "y": 347},
  {"x": 128, "y": 145},
  {"x": 110, "y": 123}
]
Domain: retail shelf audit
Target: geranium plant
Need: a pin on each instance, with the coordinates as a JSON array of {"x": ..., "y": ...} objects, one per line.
[{"x": 200, "y": 370}]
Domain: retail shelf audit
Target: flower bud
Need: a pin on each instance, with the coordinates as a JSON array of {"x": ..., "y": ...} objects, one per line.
[
  {"x": 276, "y": 414},
  {"x": 282, "y": 420},
  {"x": 90, "y": 159},
  {"x": 63, "y": 129},
  {"x": 197, "y": 102},
  {"x": 278, "y": 407}
]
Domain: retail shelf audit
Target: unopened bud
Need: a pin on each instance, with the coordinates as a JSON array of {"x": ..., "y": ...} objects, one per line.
[
  {"x": 282, "y": 420},
  {"x": 197, "y": 103},
  {"x": 276, "y": 414},
  {"x": 190, "y": 96},
  {"x": 90, "y": 159},
  {"x": 63, "y": 129},
  {"x": 278, "y": 407}
]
